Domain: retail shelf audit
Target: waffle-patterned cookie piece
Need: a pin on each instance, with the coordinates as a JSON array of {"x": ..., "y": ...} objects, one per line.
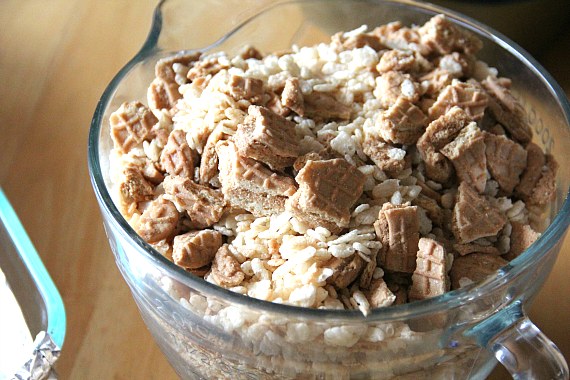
[
  {"x": 196, "y": 249},
  {"x": 466, "y": 96},
  {"x": 474, "y": 267},
  {"x": 474, "y": 216},
  {"x": 327, "y": 191},
  {"x": 402, "y": 123},
  {"x": 397, "y": 228},
  {"x": 204, "y": 205},
  {"x": 248, "y": 184},
  {"x": 131, "y": 124},
  {"x": 467, "y": 153},
  {"x": 506, "y": 161},
  {"x": 430, "y": 277},
  {"x": 267, "y": 137},
  {"x": 507, "y": 110},
  {"x": 177, "y": 158}
]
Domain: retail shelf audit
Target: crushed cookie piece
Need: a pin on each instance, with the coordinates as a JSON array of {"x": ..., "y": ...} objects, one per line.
[
  {"x": 206, "y": 66},
  {"x": 506, "y": 161},
  {"x": 209, "y": 160},
  {"x": 323, "y": 106},
  {"x": 386, "y": 156},
  {"x": 135, "y": 188},
  {"x": 248, "y": 184},
  {"x": 438, "y": 134},
  {"x": 345, "y": 270},
  {"x": 507, "y": 110},
  {"x": 398, "y": 60},
  {"x": 402, "y": 123},
  {"x": 474, "y": 267},
  {"x": 356, "y": 41},
  {"x": 274, "y": 104},
  {"x": 163, "y": 92},
  {"x": 226, "y": 270},
  {"x": 131, "y": 124},
  {"x": 250, "y": 89},
  {"x": 534, "y": 163},
  {"x": 397, "y": 228},
  {"x": 430, "y": 276},
  {"x": 379, "y": 294},
  {"x": 474, "y": 216},
  {"x": 204, "y": 206},
  {"x": 467, "y": 154},
  {"x": 432, "y": 208},
  {"x": 392, "y": 85},
  {"x": 457, "y": 64},
  {"x": 466, "y": 96},
  {"x": 443, "y": 37},
  {"x": 267, "y": 137},
  {"x": 435, "y": 81},
  {"x": 292, "y": 97},
  {"x": 327, "y": 191},
  {"x": 196, "y": 249},
  {"x": 545, "y": 188},
  {"x": 177, "y": 158},
  {"x": 158, "y": 221},
  {"x": 465, "y": 249},
  {"x": 522, "y": 237},
  {"x": 249, "y": 52}
]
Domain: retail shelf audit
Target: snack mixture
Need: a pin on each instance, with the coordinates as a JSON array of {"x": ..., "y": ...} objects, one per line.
[{"x": 384, "y": 167}]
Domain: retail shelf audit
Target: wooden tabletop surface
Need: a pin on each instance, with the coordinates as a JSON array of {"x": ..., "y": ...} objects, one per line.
[{"x": 56, "y": 57}]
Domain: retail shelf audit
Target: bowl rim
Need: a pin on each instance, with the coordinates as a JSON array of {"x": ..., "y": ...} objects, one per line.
[{"x": 549, "y": 238}]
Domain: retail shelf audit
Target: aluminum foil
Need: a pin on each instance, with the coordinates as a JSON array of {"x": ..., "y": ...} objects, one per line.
[{"x": 40, "y": 365}]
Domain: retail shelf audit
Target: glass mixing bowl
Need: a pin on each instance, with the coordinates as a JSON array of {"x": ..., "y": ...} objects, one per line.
[{"x": 207, "y": 331}]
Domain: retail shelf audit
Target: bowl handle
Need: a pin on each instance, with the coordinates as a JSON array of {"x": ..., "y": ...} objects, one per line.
[{"x": 520, "y": 346}]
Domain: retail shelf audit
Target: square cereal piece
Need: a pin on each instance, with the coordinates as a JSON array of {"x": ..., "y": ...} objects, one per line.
[
  {"x": 506, "y": 160},
  {"x": 248, "y": 184},
  {"x": 507, "y": 110},
  {"x": 466, "y": 96},
  {"x": 467, "y": 153},
  {"x": 131, "y": 124},
  {"x": 267, "y": 137},
  {"x": 430, "y": 276},
  {"x": 474, "y": 216},
  {"x": 397, "y": 228},
  {"x": 402, "y": 123},
  {"x": 203, "y": 205},
  {"x": 327, "y": 191}
]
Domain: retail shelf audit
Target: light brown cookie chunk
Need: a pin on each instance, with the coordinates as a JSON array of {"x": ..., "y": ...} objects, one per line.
[
  {"x": 506, "y": 161},
  {"x": 507, "y": 110},
  {"x": 430, "y": 276},
  {"x": 345, "y": 270},
  {"x": 226, "y": 270},
  {"x": 397, "y": 228},
  {"x": 402, "y": 123},
  {"x": 392, "y": 85},
  {"x": 474, "y": 216},
  {"x": 196, "y": 249},
  {"x": 522, "y": 237},
  {"x": 177, "y": 158},
  {"x": 203, "y": 205},
  {"x": 467, "y": 154},
  {"x": 323, "y": 106},
  {"x": 327, "y": 191},
  {"x": 267, "y": 137},
  {"x": 438, "y": 134},
  {"x": 379, "y": 295},
  {"x": 131, "y": 124},
  {"x": 292, "y": 97},
  {"x": 466, "y": 96},
  {"x": 158, "y": 221},
  {"x": 473, "y": 268},
  {"x": 248, "y": 184},
  {"x": 443, "y": 37},
  {"x": 386, "y": 156},
  {"x": 534, "y": 163},
  {"x": 242, "y": 88}
]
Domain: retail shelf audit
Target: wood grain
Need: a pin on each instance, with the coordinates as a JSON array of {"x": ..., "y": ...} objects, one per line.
[{"x": 56, "y": 57}]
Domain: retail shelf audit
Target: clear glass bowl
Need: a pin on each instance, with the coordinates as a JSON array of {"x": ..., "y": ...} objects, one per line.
[{"x": 206, "y": 331}]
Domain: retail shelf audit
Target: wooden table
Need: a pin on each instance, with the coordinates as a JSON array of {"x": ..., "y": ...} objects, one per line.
[{"x": 56, "y": 57}]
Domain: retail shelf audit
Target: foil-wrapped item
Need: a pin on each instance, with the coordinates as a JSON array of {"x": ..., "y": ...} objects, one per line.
[{"x": 40, "y": 365}]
